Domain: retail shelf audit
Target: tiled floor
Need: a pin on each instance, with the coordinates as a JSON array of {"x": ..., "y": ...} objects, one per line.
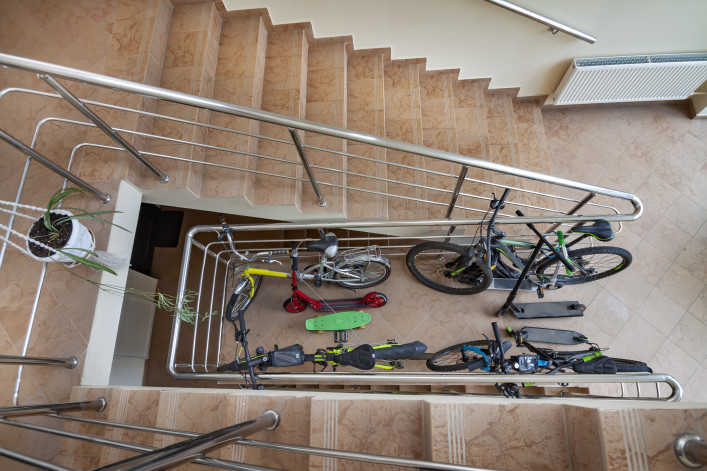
[{"x": 656, "y": 311}]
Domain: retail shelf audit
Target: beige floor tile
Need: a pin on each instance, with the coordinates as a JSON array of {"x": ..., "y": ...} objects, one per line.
[
  {"x": 640, "y": 338},
  {"x": 630, "y": 288},
  {"x": 699, "y": 307},
  {"x": 609, "y": 313},
  {"x": 689, "y": 334},
  {"x": 661, "y": 311},
  {"x": 697, "y": 385},
  {"x": 673, "y": 360},
  {"x": 681, "y": 285}
]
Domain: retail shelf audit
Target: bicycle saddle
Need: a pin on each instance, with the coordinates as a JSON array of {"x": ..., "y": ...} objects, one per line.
[
  {"x": 360, "y": 357},
  {"x": 328, "y": 245},
  {"x": 601, "y": 229}
]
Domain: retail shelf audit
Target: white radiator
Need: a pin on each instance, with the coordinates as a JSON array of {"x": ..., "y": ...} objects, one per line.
[{"x": 631, "y": 78}]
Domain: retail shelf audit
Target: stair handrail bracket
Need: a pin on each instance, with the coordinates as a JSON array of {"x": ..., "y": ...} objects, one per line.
[{"x": 90, "y": 78}]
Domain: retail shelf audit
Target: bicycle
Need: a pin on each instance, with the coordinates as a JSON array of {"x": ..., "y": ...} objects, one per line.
[
  {"x": 488, "y": 355},
  {"x": 454, "y": 269},
  {"x": 388, "y": 356},
  {"x": 353, "y": 268}
]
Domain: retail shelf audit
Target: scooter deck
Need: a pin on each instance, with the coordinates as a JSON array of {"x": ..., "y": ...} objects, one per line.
[
  {"x": 563, "y": 337},
  {"x": 338, "y": 321},
  {"x": 545, "y": 310}
]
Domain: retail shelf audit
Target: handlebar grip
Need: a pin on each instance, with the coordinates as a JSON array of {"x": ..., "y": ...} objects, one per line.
[
  {"x": 279, "y": 252},
  {"x": 224, "y": 224},
  {"x": 520, "y": 213},
  {"x": 504, "y": 195},
  {"x": 499, "y": 343}
]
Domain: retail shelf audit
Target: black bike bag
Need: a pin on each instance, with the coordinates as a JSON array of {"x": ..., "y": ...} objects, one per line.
[
  {"x": 398, "y": 352},
  {"x": 360, "y": 357},
  {"x": 601, "y": 365},
  {"x": 327, "y": 245},
  {"x": 288, "y": 356},
  {"x": 600, "y": 230}
]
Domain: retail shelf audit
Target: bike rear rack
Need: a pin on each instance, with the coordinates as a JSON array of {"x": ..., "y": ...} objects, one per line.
[{"x": 207, "y": 269}]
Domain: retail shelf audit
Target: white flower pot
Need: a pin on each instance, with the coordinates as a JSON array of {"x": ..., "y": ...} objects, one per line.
[{"x": 81, "y": 238}]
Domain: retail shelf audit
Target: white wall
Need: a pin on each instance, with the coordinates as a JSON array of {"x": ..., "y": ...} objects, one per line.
[{"x": 485, "y": 41}]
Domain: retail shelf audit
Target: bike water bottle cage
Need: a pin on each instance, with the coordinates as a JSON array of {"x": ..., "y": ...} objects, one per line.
[
  {"x": 361, "y": 357},
  {"x": 328, "y": 245},
  {"x": 600, "y": 230}
]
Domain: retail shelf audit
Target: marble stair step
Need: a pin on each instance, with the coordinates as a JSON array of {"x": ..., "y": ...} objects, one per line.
[
  {"x": 239, "y": 79},
  {"x": 326, "y": 104},
  {"x": 284, "y": 92},
  {"x": 365, "y": 112},
  {"x": 189, "y": 67}
]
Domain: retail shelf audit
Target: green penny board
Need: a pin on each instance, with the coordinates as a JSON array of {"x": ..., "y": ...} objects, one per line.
[{"x": 338, "y": 321}]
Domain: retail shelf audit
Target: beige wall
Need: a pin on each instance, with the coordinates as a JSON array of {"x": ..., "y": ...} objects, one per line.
[{"x": 487, "y": 41}]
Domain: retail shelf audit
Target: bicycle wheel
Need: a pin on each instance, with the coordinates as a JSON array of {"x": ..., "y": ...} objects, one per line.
[
  {"x": 455, "y": 358},
  {"x": 241, "y": 301},
  {"x": 445, "y": 267},
  {"x": 631, "y": 366},
  {"x": 598, "y": 262},
  {"x": 370, "y": 272}
]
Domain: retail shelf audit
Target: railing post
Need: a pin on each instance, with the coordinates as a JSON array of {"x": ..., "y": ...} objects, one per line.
[
  {"x": 691, "y": 450},
  {"x": 307, "y": 167},
  {"x": 69, "y": 363},
  {"x": 455, "y": 195},
  {"x": 66, "y": 94},
  {"x": 19, "y": 145},
  {"x": 97, "y": 405}
]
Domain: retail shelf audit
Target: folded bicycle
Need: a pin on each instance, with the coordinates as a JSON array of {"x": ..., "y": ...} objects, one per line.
[
  {"x": 489, "y": 355},
  {"x": 353, "y": 268},
  {"x": 387, "y": 356},
  {"x": 454, "y": 269}
]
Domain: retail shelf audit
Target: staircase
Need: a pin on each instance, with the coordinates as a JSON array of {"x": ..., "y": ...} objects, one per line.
[{"x": 241, "y": 58}]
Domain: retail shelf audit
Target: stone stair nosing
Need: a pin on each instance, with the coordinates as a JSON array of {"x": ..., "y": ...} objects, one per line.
[
  {"x": 365, "y": 112},
  {"x": 189, "y": 67}
]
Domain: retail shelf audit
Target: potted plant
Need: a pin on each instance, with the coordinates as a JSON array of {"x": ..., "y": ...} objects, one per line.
[{"x": 59, "y": 236}]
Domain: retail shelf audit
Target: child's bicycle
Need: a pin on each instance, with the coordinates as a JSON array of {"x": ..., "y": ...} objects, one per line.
[
  {"x": 364, "y": 357},
  {"x": 488, "y": 355},
  {"x": 354, "y": 268},
  {"x": 454, "y": 269}
]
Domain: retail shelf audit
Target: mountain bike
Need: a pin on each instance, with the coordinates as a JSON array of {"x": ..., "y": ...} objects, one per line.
[
  {"x": 454, "y": 269},
  {"x": 387, "y": 356},
  {"x": 353, "y": 268},
  {"x": 489, "y": 356}
]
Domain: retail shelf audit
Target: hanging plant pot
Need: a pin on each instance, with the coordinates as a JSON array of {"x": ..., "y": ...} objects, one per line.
[{"x": 70, "y": 236}]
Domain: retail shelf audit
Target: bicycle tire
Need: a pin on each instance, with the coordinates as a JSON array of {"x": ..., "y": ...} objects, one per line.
[
  {"x": 241, "y": 301},
  {"x": 631, "y": 366},
  {"x": 372, "y": 272},
  {"x": 437, "y": 265},
  {"x": 455, "y": 359},
  {"x": 600, "y": 262}
]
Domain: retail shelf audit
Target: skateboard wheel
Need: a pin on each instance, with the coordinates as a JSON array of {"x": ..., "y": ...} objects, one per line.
[
  {"x": 362, "y": 327},
  {"x": 320, "y": 331}
]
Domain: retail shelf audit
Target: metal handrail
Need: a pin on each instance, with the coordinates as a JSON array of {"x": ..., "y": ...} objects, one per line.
[
  {"x": 188, "y": 450},
  {"x": 691, "y": 450},
  {"x": 554, "y": 25},
  {"x": 39, "y": 409},
  {"x": 69, "y": 363},
  {"x": 304, "y": 125}
]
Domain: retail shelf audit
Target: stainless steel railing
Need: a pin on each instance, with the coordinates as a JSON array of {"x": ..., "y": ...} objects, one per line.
[
  {"x": 196, "y": 445},
  {"x": 50, "y": 71},
  {"x": 195, "y": 351}
]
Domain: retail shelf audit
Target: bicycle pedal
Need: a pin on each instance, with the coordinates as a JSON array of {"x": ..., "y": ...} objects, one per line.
[
  {"x": 317, "y": 281},
  {"x": 541, "y": 292},
  {"x": 341, "y": 336}
]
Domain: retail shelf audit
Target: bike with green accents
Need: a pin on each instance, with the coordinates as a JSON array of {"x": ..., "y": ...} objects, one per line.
[{"x": 456, "y": 269}]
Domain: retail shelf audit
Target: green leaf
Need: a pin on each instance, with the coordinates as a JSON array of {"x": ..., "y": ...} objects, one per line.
[{"x": 86, "y": 261}]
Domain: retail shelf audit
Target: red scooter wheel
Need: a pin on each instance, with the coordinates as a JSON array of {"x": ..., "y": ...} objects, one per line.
[
  {"x": 375, "y": 299},
  {"x": 294, "y": 305}
]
